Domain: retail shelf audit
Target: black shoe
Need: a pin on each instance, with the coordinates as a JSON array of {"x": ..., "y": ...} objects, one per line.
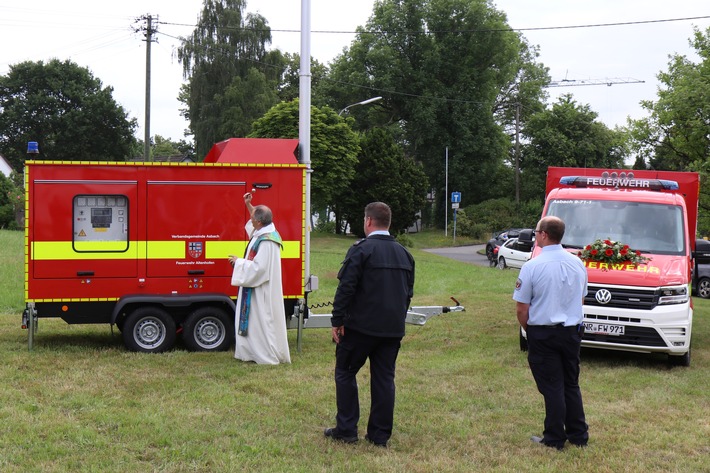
[
  {"x": 376, "y": 444},
  {"x": 332, "y": 432},
  {"x": 541, "y": 441},
  {"x": 579, "y": 445}
]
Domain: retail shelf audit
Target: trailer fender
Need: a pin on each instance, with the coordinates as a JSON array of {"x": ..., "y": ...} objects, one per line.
[{"x": 170, "y": 301}]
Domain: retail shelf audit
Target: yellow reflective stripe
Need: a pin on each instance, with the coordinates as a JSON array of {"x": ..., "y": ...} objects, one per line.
[
  {"x": 170, "y": 249},
  {"x": 63, "y": 250},
  {"x": 292, "y": 249},
  {"x": 222, "y": 249}
]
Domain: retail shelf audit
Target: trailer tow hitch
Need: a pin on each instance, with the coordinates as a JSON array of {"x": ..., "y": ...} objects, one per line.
[{"x": 419, "y": 315}]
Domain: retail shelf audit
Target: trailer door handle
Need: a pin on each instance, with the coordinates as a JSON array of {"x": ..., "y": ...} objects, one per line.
[
  {"x": 84, "y": 273},
  {"x": 196, "y": 272}
]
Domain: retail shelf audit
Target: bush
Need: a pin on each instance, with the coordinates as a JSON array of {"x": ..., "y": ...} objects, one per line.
[
  {"x": 405, "y": 240},
  {"x": 325, "y": 227},
  {"x": 499, "y": 214}
]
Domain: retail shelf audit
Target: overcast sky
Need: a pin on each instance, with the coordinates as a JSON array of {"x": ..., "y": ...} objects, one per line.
[{"x": 101, "y": 37}]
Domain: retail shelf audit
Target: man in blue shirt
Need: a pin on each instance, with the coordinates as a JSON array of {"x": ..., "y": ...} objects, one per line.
[{"x": 549, "y": 294}]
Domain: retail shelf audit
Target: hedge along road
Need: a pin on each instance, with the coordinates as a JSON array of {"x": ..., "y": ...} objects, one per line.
[{"x": 473, "y": 254}]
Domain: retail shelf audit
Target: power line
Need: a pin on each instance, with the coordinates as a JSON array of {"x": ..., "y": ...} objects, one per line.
[
  {"x": 482, "y": 30},
  {"x": 582, "y": 82}
]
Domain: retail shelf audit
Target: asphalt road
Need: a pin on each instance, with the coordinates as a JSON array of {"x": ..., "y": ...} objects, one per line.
[{"x": 467, "y": 254}]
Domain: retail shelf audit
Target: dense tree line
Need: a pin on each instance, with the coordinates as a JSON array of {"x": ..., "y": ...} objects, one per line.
[{"x": 452, "y": 76}]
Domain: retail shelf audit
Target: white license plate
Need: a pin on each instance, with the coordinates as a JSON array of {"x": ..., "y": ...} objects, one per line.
[{"x": 603, "y": 329}]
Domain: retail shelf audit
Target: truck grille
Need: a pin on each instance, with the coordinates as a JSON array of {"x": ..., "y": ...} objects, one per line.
[
  {"x": 636, "y": 298},
  {"x": 639, "y": 336}
]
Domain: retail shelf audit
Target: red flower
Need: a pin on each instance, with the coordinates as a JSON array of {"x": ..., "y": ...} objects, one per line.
[
  {"x": 589, "y": 247},
  {"x": 594, "y": 252},
  {"x": 607, "y": 242},
  {"x": 624, "y": 251},
  {"x": 609, "y": 252}
]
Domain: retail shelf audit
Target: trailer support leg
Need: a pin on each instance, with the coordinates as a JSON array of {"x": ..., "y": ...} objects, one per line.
[
  {"x": 31, "y": 325},
  {"x": 301, "y": 308}
]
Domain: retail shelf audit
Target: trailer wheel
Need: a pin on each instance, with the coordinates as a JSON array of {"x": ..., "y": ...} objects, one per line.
[
  {"x": 208, "y": 329},
  {"x": 149, "y": 330}
]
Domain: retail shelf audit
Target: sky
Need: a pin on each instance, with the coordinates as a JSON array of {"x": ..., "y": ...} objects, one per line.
[{"x": 103, "y": 39}]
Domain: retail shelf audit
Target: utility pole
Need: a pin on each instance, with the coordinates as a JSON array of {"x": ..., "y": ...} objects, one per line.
[
  {"x": 149, "y": 32},
  {"x": 517, "y": 153}
]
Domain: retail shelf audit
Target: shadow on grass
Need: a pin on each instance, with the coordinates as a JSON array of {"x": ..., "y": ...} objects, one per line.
[{"x": 615, "y": 358}]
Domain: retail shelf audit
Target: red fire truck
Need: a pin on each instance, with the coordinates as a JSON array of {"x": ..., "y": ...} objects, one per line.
[
  {"x": 144, "y": 246},
  {"x": 646, "y": 307}
]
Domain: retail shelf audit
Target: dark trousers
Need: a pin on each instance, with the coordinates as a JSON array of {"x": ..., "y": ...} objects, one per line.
[
  {"x": 553, "y": 356},
  {"x": 350, "y": 355}
]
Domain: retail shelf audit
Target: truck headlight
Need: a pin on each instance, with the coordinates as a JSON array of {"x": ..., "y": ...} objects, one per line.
[{"x": 673, "y": 295}]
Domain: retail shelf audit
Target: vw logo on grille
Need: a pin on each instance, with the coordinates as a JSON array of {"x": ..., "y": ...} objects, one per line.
[{"x": 603, "y": 296}]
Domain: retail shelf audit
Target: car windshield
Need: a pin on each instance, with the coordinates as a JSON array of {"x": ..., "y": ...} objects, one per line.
[{"x": 649, "y": 228}]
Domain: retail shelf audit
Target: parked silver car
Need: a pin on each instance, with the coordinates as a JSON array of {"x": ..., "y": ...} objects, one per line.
[
  {"x": 701, "y": 269},
  {"x": 514, "y": 252}
]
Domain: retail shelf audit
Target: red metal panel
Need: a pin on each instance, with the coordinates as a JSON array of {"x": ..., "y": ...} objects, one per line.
[
  {"x": 254, "y": 151},
  {"x": 165, "y": 200}
]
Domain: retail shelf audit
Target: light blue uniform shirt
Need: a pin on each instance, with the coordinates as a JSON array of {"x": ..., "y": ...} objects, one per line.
[{"x": 553, "y": 283}]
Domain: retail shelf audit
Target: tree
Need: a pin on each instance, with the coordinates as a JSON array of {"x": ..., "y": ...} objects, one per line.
[
  {"x": 676, "y": 134},
  {"x": 567, "y": 135},
  {"x": 442, "y": 67},
  {"x": 66, "y": 110},
  {"x": 217, "y": 60},
  {"x": 384, "y": 174},
  {"x": 12, "y": 201},
  {"x": 289, "y": 88},
  {"x": 334, "y": 147},
  {"x": 243, "y": 101}
]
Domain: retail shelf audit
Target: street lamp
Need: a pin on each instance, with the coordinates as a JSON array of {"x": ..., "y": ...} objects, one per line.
[{"x": 364, "y": 102}]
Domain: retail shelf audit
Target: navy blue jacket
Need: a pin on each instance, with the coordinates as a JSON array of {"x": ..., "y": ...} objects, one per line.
[{"x": 376, "y": 287}]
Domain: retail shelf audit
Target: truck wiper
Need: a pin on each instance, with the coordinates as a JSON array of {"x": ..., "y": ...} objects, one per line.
[{"x": 574, "y": 247}]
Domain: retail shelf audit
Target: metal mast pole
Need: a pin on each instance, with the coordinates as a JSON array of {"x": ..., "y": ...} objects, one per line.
[
  {"x": 446, "y": 195},
  {"x": 304, "y": 138}
]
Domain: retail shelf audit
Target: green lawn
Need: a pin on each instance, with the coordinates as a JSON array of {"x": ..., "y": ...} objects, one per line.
[{"x": 466, "y": 401}]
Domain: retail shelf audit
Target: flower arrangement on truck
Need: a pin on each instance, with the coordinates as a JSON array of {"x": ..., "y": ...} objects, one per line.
[{"x": 635, "y": 232}]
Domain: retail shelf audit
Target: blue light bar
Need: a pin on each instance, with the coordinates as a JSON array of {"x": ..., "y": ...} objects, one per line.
[
  {"x": 669, "y": 185},
  {"x": 619, "y": 181}
]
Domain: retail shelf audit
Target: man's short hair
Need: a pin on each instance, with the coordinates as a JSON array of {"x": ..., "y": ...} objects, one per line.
[
  {"x": 380, "y": 213},
  {"x": 263, "y": 214},
  {"x": 554, "y": 227}
]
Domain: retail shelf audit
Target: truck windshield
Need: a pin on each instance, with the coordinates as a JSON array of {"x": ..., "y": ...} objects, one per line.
[{"x": 649, "y": 228}]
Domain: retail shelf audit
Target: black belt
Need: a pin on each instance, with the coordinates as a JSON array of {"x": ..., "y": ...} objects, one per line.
[{"x": 556, "y": 326}]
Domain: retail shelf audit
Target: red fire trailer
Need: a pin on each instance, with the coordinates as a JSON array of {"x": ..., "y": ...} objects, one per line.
[{"x": 144, "y": 246}]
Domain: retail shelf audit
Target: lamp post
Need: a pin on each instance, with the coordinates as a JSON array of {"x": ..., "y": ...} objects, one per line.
[{"x": 364, "y": 102}]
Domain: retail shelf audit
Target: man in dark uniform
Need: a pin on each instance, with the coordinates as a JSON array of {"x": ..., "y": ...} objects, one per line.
[
  {"x": 371, "y": 302},
  {"x": 549, "y": 294}
]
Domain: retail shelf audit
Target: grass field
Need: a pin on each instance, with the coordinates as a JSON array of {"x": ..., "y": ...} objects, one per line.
[{"x": 466, "y": 402}]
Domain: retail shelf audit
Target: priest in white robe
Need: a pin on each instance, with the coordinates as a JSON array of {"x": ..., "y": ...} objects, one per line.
[{"x": 260, "y": 321}]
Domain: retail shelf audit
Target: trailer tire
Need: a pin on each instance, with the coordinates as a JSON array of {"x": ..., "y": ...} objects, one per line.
[
  {"x": 149, "y": 330},
  {"x": 208, "y": 329}
]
